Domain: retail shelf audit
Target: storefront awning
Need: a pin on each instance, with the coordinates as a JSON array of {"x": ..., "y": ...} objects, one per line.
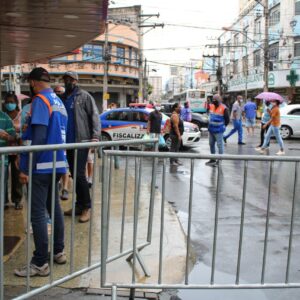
[{"x": 31, "y": 30}]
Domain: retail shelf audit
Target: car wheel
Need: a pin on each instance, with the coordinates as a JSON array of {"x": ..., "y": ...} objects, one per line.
[
  {"x": 105, "y": 137},
  {"x": 285, "y": 132}
]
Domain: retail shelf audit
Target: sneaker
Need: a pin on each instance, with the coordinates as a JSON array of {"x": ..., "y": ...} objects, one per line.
[
  {"x": 258, "y": 149},
  {"x": 211, "y": 162},
  {"x": 280, "y": 152},
  {"x": 225, "y": 140},
  {"x": 60, "y": 258},
  {"x": 241, "y": 143},
  {"x": 64, "y": 195},
  {"x": 85, "y": 215},
  {"x": 78, "y": 212},
  {"x": 263, "y": 151},
  {"x": 34, "y": 270},
  {"x": 90, "y": 184}
]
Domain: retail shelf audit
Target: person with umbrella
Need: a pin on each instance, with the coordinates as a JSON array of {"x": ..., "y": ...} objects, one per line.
[{"x": 273, "y": 123}]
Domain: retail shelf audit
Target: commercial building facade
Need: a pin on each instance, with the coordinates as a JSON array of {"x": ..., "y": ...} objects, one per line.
[{"x": 123, "y": 66}]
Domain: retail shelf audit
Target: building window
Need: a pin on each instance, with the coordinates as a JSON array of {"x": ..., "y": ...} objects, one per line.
[
  {"x": 228, "y": 46},
  {"x": 245, "y": 34},
  {"x": 135, "y": 58},
  {"x": 227, "y": 70},
  {"x": 236, "y": 39},
  {"x": 274, "y": 52},
  {"x": 129, "y": 55},
  {"x": 245, "y": 65},
  {"x": 297, "y": 47},
  {"x": 297, "y": 7},
  {"x": 120, "y": 55},
  {"x": 256, "y": 55},
  {"x": 257, "y": 28},
  {"x": 235, "y": 67},
  {"x": 274, "y": 16}
]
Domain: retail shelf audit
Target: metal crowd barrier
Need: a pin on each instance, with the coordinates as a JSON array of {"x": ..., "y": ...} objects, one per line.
[
  {"x": 72, "y": 273},
  {"x": 137, "y": 159}
]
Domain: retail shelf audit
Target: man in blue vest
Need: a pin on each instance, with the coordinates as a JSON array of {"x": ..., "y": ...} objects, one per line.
[
  {"x": 218, "y": 120},
  {"x": 46, "y": 125}
]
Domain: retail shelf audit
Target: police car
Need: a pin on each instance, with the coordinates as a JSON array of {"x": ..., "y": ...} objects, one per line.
[{"x": 131, "y": 123}]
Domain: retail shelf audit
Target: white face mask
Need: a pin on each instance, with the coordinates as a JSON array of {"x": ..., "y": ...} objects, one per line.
[{"x": 158, "y": 108}]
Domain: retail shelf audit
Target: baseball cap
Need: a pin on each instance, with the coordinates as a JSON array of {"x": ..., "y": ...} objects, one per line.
[
  {"x": 71, "y": 74},
  {"x": 39, "y": 74}
]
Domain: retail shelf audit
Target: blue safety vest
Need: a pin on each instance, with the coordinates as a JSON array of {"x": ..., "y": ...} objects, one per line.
[
  {"x": 216, "y": 119},
  {"x": 56, "y": 134}
]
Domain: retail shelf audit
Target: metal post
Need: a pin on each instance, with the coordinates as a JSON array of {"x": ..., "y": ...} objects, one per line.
[
  {"x": 266, "y": 46},
  {"x": 140, "y": 60},
  {"x": 246, "y": 77},
  {"x": 106, "y": 65},
  {"x": 219, "y": 74}
]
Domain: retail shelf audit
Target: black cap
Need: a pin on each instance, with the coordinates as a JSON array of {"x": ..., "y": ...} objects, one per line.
[{"x": 39, "y": 74}]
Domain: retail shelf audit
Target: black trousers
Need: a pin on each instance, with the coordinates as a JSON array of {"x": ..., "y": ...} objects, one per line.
[
  {"x": 16, "y": 185},
  {"x": 83, "y": 198},
  {"x": 175, "y": 146}
]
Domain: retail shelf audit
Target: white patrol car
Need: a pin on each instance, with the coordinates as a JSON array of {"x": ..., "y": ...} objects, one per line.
[
  {"x": 131, "y": 123},
  {"x": 290, "y": 121}
]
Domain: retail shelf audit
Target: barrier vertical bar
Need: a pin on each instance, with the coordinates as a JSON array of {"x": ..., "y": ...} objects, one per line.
[
  {"x": 92, "y": 210},
  {"x": 109, "y": 192},
  {"x": 73, "y": 211},
  {"x": 28, "y": 254},
  {"x": 267, "y": 225},
  {"x": 213, "y": 264},
  {"x": 162, "y": 220},
  {"x": 124, "y": 205},
  {"x": 135, "y": 219},
  {"x": 189, "y": 223},
  {"x": 292, "y": 225},
  {"x": 152, "y": 197},
  {"x": 104, "y": 225},
  {"x": 2, "y": 200},
  {"x": 114, "y": 292},
  {"x": 237, "y": 279},
  {"x": 53, "y": 192}
]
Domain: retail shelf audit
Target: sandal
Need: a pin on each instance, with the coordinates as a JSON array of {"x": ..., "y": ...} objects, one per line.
[{"x": 18, "y": 206}]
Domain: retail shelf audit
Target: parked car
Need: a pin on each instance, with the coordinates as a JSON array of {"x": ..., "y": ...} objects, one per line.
[
  {"x": 131, "y": 123},
  {"x": 201, "y": 120},
  {"x": 290, "y": 121}
]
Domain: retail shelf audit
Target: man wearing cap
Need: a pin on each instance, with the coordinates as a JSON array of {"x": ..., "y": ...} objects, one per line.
[
  {"x": 218, "y": 120},
  {"x": 46, "y": 126},
  {"x": 83, "y": 126}
]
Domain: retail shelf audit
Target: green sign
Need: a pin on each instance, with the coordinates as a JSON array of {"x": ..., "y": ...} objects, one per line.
[
  {"x": 271, "y": 79},
  {"x": 292, "y": 78}
]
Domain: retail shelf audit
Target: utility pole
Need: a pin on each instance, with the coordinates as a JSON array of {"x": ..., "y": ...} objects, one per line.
[
  {"x": 266, "y": 47},
  {"x": 105, "y": 95},
  {"x": 145, "y": 85},
  {"x": 192, "y": 73},
  {"x": 219, "y": 70}
]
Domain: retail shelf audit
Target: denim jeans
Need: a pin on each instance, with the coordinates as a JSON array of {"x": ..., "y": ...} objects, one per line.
[
  {"x": 276, "y": 131},
  {"x": 41, "y": 201},
  {"x": 83, "y": 198},
  {"x": 237, "y": 127},
  {"x": 216, "y": 138}
]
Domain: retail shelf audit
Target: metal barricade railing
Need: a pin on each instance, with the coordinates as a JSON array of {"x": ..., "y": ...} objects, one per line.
[
  {"x": 137, "y": 158},
  {"x": 72, "y": 272}
]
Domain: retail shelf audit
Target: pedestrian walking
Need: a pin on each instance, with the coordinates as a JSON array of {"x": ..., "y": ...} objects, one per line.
[
  {"x": 83, "y": 126},
  {"x": 154, "y": 124},
  {"x": 236, "y": 118},
  {"x": 218, "y": 120},
  {"x": 11, "y": 107},
  {"x": 7, "y": 137},
  {"x": 186, "y": 112},
  {"x": 46, "y": 125},
  {"x": 250, "y": 109},
  {"x": 265, "y": 119},
  {"x": 176, "y": 132},
  {"x": 274, "y": 129}
]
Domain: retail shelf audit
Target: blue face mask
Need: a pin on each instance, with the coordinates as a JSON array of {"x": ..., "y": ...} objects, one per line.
[{"x": 10, "y": 106}]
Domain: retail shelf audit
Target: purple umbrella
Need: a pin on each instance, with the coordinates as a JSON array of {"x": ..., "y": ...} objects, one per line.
[{"x": 269, "y": 96}]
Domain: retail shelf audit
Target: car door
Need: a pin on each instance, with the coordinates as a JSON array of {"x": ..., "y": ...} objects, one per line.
[
  {"x": 140, "y": 119},
  {"x": 293, "y": 118}
]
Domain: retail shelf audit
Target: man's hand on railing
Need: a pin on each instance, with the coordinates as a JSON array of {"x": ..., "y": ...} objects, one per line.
[{"x": 23, "y": 178}]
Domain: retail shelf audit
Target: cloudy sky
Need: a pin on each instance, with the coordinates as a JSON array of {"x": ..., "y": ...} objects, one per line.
[{"x": 186, "y": 42}]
